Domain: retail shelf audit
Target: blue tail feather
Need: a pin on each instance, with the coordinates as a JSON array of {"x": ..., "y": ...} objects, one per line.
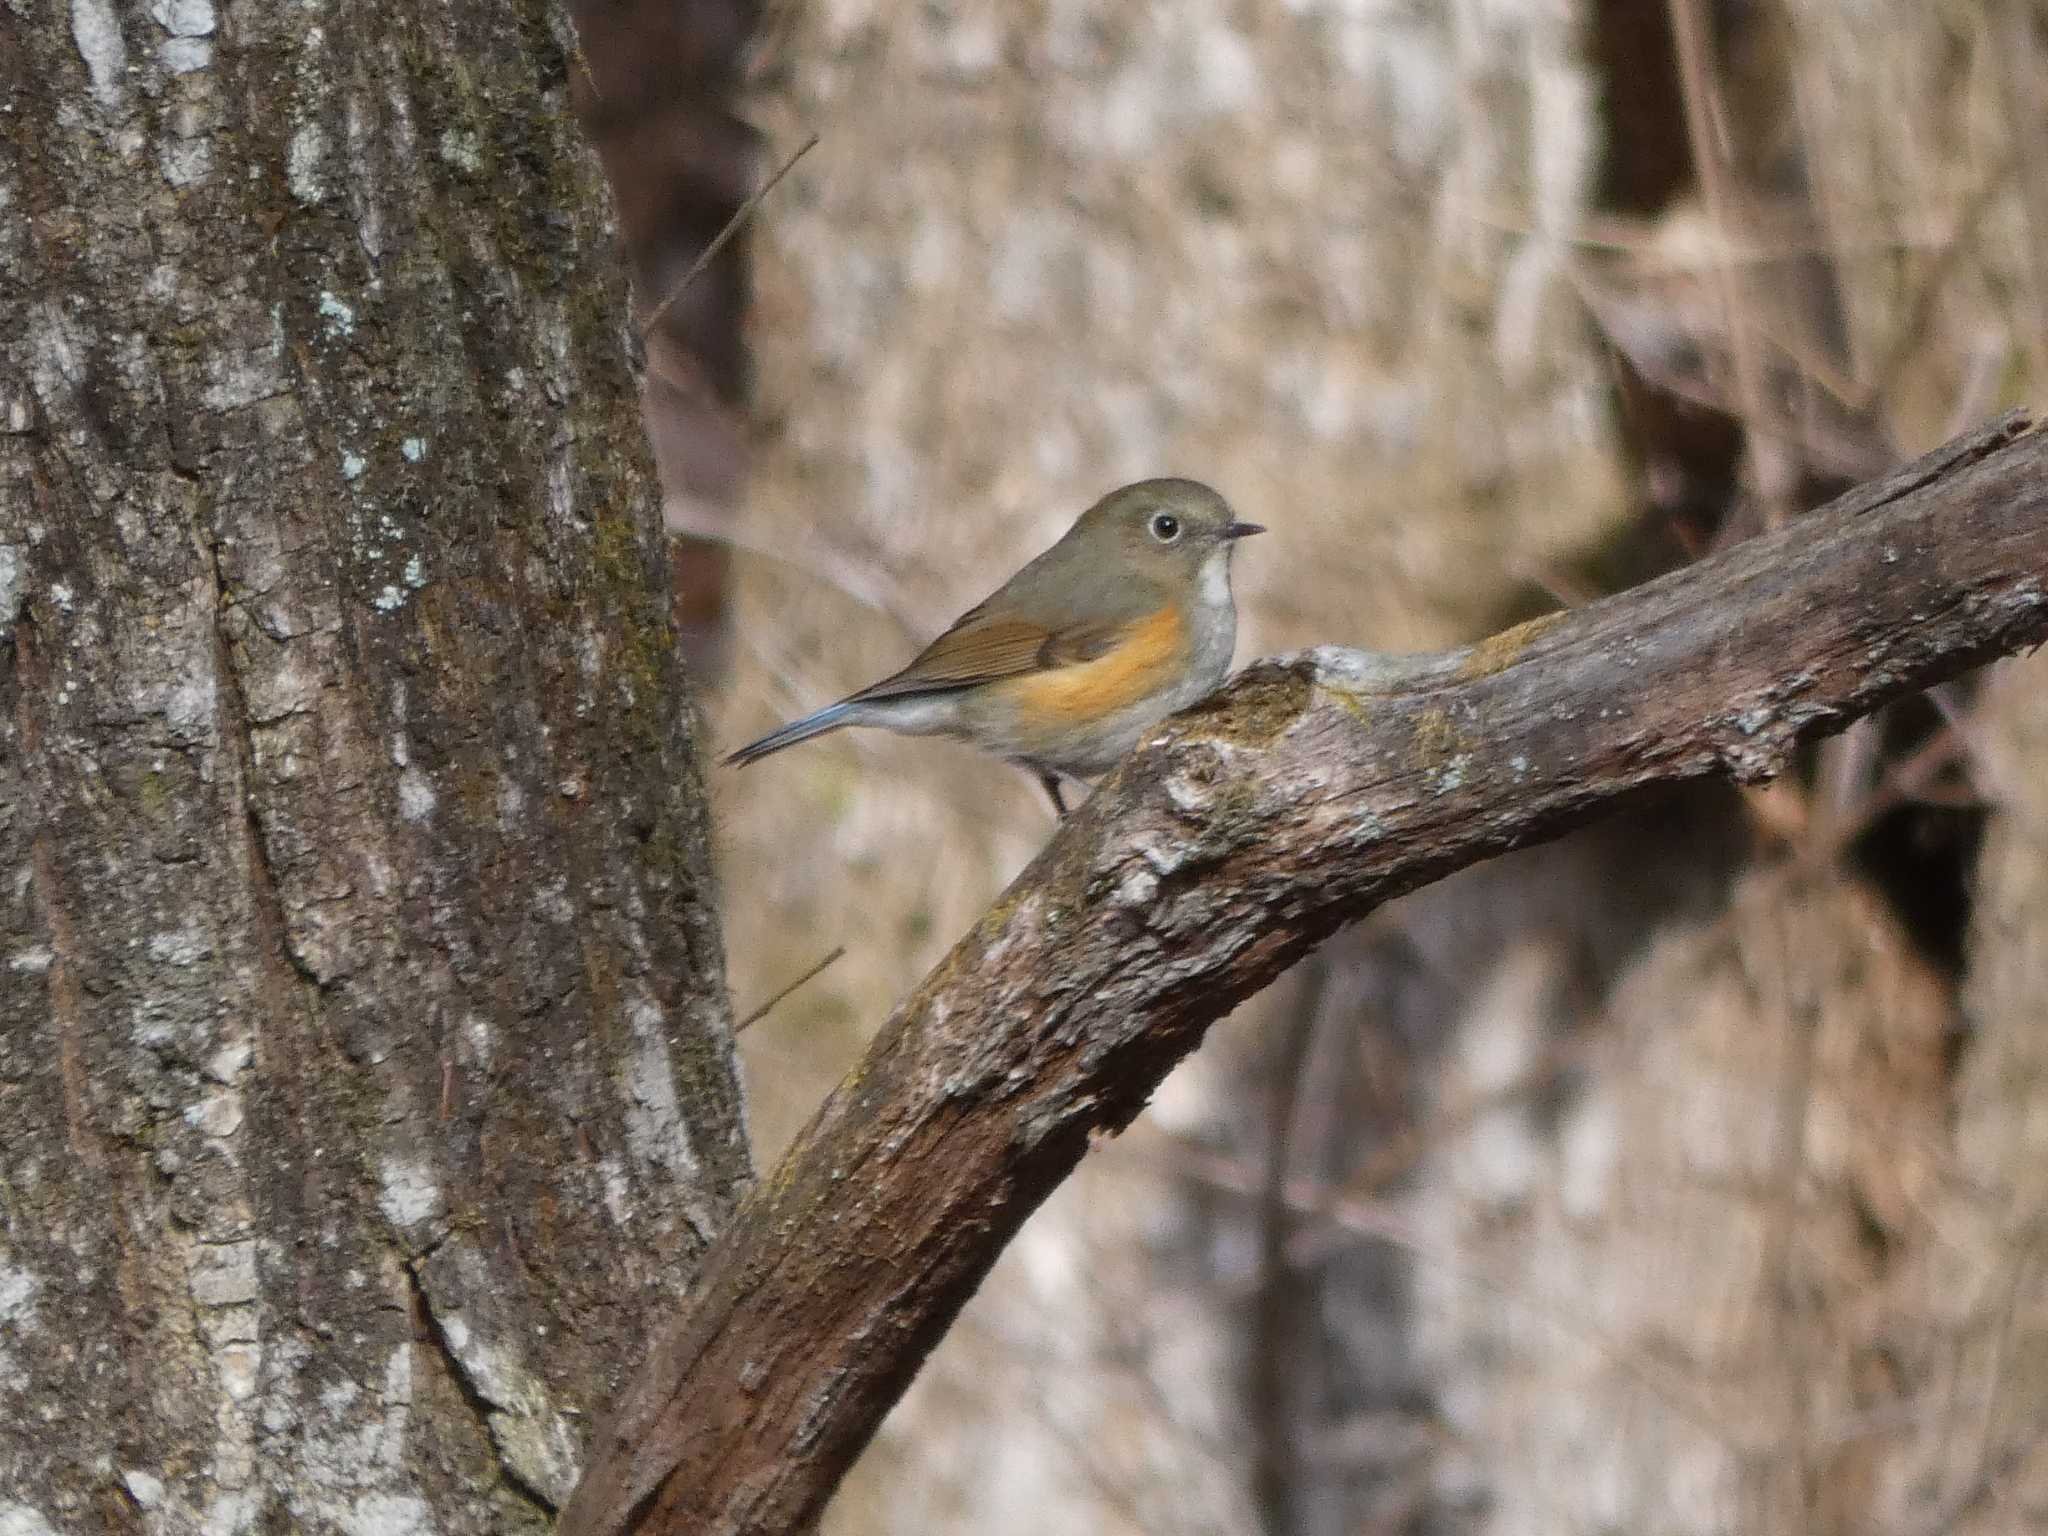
[{"x": 816, "y": 723}]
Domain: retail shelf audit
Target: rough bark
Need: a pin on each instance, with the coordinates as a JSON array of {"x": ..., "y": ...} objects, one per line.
[
  {"x": 364, "y": 1052},
  {"x": 1237, "y": 838}
]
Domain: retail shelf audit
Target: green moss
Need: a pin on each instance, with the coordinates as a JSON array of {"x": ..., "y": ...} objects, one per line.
[
  {"x": 592, "y": 310},
  {"x": 599, "y": 976},
  {"x": 156, "y": 794},
  {"x": 476, "y": 789},
  {"x": 1257, "y": 711},
  {"x": 669, "y": 858},
  {"x": 1435, "y": 738},
  {"x": 1496, "y": 653},
  {"x": 1351, "y": 702},
  {"x": 642, "y": 649}
]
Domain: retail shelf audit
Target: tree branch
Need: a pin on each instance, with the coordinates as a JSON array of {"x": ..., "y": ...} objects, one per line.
[{"x": 1238, "y": 836}]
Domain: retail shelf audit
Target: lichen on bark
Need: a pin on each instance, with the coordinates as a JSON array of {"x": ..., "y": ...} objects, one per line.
[{"x": 363, "y": 1035}]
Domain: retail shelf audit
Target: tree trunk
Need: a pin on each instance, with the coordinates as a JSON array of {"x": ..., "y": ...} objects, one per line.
[{"x": 365, "y": 1056}]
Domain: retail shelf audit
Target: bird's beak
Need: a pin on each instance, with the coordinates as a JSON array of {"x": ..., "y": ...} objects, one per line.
[{"x": 1242, "y": 530}]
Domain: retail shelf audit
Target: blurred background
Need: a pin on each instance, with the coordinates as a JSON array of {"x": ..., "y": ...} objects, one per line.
[{"x": 1684, "y": 1176}]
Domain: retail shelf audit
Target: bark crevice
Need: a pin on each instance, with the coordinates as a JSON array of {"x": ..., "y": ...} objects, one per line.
[
  {"x": 483, "y": 1410},
  {"x": 235, "y": 732}
]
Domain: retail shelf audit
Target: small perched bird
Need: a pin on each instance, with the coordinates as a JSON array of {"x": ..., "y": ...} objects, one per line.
[{"x": 1125, "y": 620}]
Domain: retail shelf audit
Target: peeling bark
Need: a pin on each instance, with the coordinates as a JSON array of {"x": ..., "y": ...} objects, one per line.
[
  {"x": 1239, "y": 836},
  {"x": 364, "y": 1049}
]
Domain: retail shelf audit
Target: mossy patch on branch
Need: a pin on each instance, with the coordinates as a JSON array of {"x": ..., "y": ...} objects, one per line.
[
  {"x": 1256, "y": 709},
  {"x": 1496, "y": 653}
]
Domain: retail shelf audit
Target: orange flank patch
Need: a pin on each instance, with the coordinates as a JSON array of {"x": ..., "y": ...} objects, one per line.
[{"x": 1145, "y": 656}]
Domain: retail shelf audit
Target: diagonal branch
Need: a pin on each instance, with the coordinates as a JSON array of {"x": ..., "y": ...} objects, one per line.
[{"x": 1239, "y": 835}]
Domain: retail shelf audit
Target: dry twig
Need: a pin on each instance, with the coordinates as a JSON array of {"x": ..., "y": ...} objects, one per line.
[
  {"x": 733, "y": 225},
  {"x": 838, "y": 953}
]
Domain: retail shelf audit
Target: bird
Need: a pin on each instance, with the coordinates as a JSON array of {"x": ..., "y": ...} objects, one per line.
[{"x": 1126, "y": 620}]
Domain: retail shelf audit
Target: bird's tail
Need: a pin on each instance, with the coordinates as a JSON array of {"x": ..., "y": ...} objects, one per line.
[{"x": 816, "y": 723}]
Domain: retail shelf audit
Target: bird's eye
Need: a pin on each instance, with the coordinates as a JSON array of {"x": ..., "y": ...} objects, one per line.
[{"x": 1165, "y": 527}]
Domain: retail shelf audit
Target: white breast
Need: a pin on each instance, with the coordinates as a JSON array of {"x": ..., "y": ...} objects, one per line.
[
  {"x": 1216, "y": 578},
  {"x": 1216, "y": 635}
]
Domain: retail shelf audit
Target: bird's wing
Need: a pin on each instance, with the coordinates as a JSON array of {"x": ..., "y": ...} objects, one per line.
[{"x": 981, "y": 648}]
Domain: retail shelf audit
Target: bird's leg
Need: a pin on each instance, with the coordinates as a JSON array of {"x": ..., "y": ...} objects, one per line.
[{"x": 1051, "y": 781}]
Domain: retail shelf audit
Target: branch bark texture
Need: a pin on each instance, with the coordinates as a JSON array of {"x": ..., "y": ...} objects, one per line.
[{"x": 1242, "y": 833}]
